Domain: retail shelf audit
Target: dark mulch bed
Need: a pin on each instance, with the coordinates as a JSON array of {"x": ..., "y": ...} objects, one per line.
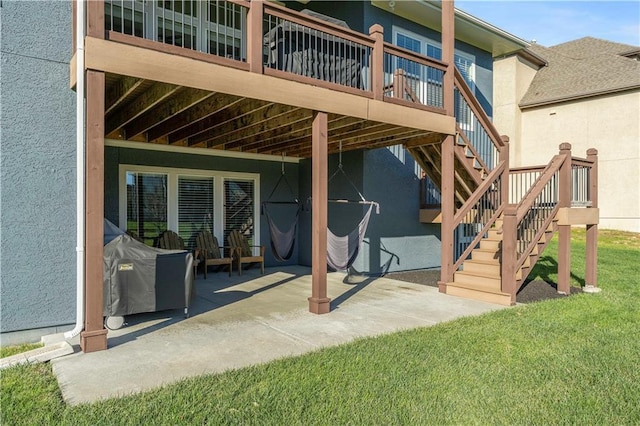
[{"x": 532, "y": 291}]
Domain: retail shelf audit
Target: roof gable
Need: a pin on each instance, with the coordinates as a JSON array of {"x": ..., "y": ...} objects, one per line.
[{"x": 582, "y": 68}]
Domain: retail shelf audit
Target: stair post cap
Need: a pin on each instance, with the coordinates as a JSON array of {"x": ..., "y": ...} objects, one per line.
[
  {"x": 592, "y": 151},
  {"x": 565, "y": 146}
]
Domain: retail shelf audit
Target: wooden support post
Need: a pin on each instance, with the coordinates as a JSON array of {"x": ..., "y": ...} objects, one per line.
[
  {"x": 448, "y": 43},
  {"x": 591, "y": 276},
  {"x": 509, "y": 250},
  {"x": 447, "y": 195},
  {"x": 95, "y": 18},
  {"x": 319, "y": 302},
  {"x": 94, "y": 336},
  {"x": 399, "y": 84},
  {"x": 377, "y": 61},
  {"x": 255, "y": 36},
  {"x": 564, "y": 231},
  {"x": 504, "y": 184}
]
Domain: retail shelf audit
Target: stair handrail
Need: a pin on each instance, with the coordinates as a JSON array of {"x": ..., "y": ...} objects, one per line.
[
  {"x": 475, "y": 197},
  {"x": 527, "y": 201},
  {"x": 516, "y": 251},
  {"x": 495, "y": 176},
  {"x": 477, "y": 109}
]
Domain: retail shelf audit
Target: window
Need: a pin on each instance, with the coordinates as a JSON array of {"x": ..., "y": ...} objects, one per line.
[
  {"x": 146, "y": 205},
  {"x": 195, "y": 207},
  {"x": 239, "y": 208},
  {"x": 154, "y": 199}
]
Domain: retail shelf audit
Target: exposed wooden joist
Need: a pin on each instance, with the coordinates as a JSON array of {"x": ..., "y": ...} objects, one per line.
[
  {"x": 257, "y": 122},
  {"x": 277, "y": 135},
  {"x": 119, "y": 91},
  {"x": 197, "y": 112},
  {"x": 295, "y": 141},
  {"x": 263, "y": 130},
  {"x": 231, "y": 112},
  {"x": 185, "y": 99},
  {"x": 147, "y": 100},
  {"x": 432, "y": 138}
]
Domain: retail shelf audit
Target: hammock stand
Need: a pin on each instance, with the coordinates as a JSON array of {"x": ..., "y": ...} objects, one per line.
[
  {"x": 282, "y": 241},
  {"x": 342, "y": 251}
]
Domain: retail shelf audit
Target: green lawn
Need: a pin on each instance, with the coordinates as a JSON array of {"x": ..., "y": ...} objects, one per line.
[{"x": 574, "y": 360}]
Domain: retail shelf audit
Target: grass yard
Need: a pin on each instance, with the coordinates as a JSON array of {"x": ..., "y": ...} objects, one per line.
[{"x": 574, "y": 360}]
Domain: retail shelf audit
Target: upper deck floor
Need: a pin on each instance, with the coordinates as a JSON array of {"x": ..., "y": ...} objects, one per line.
[{"x": 262, "y": 69}]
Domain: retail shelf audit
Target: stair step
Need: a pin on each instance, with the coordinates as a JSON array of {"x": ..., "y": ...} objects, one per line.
[
  {"x": 486, "y": 282},
  {"x": 488, "y": 267},
  {"x": 490, "y": 244},
  {"x": 491, "y": 268},
  {"x": 495, "y": 233},
  {"x": 485, "y": 254},
  {"x": 463, "y": 290}
]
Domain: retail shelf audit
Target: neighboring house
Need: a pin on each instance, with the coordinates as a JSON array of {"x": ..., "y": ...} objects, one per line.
[
  {"x": 585, "y": 92},
  {"x": 192, "y": 108}
]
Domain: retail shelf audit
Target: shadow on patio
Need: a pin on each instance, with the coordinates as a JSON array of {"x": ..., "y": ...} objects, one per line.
[{"x": 241, "y": 321}]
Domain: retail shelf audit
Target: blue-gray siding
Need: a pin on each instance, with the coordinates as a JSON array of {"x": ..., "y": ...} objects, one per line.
[{"x": 37, "y": 167}]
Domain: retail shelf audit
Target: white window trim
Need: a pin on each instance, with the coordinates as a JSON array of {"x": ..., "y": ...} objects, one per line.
[{"x": 172, "y": 194}]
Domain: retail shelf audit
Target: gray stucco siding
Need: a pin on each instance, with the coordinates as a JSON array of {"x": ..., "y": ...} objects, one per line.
[
  {"x": 396, "y": 240},
  {"x": 37, "y": 167},
  {"x": 37, "y": 29}
]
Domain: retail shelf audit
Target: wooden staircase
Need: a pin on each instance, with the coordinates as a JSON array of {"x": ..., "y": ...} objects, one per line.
[
  {"x": 480, "y": 277},
  {"x": 488, "y": 214}
]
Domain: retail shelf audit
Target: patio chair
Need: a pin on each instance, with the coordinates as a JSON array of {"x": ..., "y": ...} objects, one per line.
[
  {"x": 210, "y": 251},
  {"x": 169, "y": 240},
  {"x": 244, "y": 252},
  {"x": 134, "y": 235}
]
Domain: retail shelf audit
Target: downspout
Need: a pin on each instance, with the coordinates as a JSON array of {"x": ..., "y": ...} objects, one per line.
[{"x": 80, "y": 119}]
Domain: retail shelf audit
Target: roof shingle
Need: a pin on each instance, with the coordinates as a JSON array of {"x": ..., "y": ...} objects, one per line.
[{"x": 581, "y": 68}]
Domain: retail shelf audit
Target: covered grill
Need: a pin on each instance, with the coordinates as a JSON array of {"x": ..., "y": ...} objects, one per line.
[{"x": 138, "y": 278}]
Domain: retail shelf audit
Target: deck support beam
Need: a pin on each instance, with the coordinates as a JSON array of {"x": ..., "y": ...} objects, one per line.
[
  {"x": 447, "y": 182},
  {"x": 319, "y": 303},
  {"x": 564, "y": 231},
  {"x": 591, "y": 275},
  {"x": 94, "y": 336},
  {"x": 448, "y": 211}
]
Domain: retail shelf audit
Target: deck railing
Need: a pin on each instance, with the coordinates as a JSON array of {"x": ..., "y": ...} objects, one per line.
[
  {"x": 521, "y": 179},
  {"x": 300, "y": 44},
  {"x": 271, "y": 39},
  {"x": 581, "y": 182},
  {"x": 430, "y": 196},
  {"x": 413, "y": 78},
  {"x": 215, "y": 27}
]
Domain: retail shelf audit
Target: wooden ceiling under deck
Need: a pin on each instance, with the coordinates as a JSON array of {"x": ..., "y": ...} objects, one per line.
[{"x": 154, "y": 112}]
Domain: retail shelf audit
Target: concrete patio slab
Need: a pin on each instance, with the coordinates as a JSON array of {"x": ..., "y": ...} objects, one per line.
[{"x": 237, "y": 321}]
